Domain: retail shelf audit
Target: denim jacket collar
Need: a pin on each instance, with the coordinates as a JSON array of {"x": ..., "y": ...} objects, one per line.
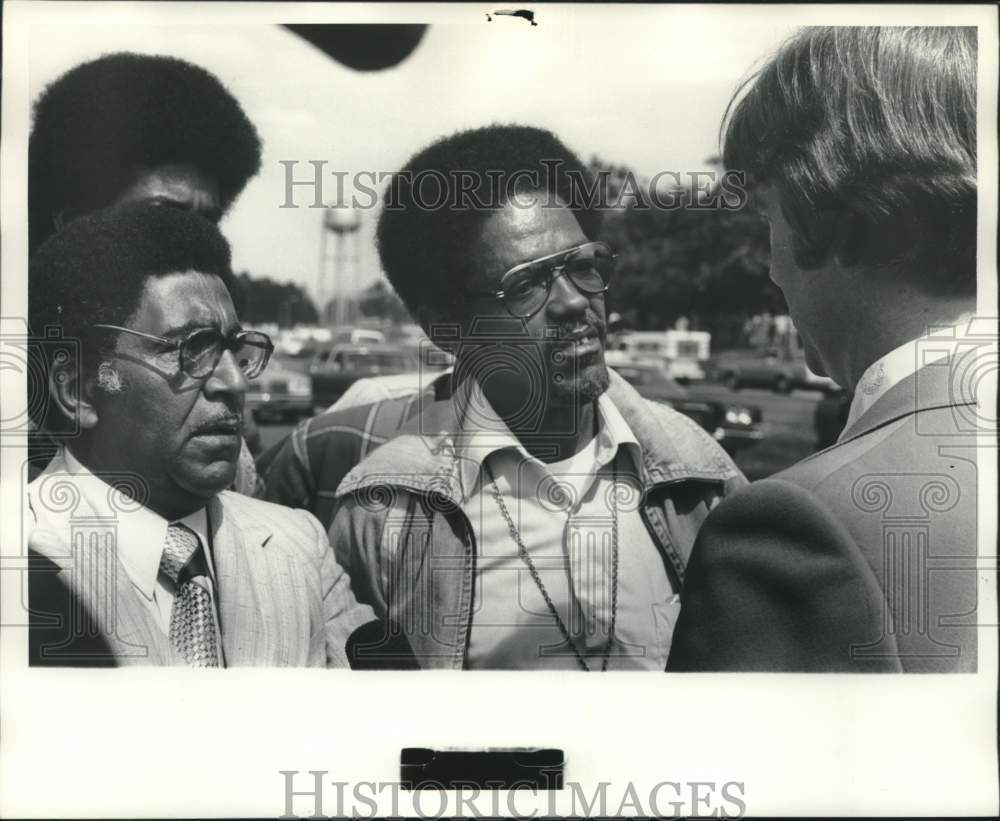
[{"x": 424, "y": 458}]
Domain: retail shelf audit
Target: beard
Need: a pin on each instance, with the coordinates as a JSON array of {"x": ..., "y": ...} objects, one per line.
[
  {"x": 585, "y": 379},
  {"x": 583, "y": 385}
]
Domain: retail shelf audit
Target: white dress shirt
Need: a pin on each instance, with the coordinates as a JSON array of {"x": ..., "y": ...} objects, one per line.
[
  {"x": 563, "y": 514},
  {"x": 888, "y": 371},
  {"x": 140, "y": 538}
]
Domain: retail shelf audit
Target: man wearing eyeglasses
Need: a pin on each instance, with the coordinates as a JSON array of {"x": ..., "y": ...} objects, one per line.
[
  {"x": 136, "y": 127},
  {"x": 538, "y": 514},
  {"x": 139, "y": 554}
]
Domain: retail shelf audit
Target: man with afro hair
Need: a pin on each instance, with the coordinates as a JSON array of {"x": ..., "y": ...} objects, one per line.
[
  {"x": 529, "y": 510},
  {"x": 132, "y": 126},
  {"x": 137, "y": 552}
]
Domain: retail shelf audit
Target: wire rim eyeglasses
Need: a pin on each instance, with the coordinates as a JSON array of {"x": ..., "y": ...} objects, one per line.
[
  {"x": 200, "y": 351},
  {"x": 525, "y": 288}
]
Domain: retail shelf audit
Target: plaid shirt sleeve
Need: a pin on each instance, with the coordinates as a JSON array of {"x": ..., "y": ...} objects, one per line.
[
  {"x": 283, "y": 473},
  {"x": 306, "y": 468}
]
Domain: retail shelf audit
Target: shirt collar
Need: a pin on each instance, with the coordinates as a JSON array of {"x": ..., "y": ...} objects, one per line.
[
  {"x": 482, "y": 433},
  {"x": 140, "y": 532},
  {"x": 889, "y": 370},
  {"x": 614, "y": 432},
  {"x": 198, "y": 522}
]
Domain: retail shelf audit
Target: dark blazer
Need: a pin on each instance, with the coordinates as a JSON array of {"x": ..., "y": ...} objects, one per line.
[{"x": 860, "y": 558}]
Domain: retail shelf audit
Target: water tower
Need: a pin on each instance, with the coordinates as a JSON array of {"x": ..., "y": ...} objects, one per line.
[{"x": 338, "y": 264}]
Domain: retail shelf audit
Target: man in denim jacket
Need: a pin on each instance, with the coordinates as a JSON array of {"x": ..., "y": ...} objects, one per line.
[{"x": 538, "y": 514}]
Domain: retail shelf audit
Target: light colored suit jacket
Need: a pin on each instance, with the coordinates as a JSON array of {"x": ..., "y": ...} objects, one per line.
[
  {"x": 283, "y": 599},
  {"x": 860, "y": 558}
]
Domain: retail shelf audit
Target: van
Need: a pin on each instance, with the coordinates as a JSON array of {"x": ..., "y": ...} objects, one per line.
[{"x": 682, "y": 352}]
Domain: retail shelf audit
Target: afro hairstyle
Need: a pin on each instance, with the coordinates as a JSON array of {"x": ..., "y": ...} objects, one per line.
[
  {"x": 103, "y": 120},
  {"x": 425, "y": 230},
  {"x": 95, "y": 271}
]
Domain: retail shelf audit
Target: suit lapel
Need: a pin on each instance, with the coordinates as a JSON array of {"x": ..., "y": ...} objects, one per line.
[
  {"x": 263, "y": 612},
  {"x": 84, "y": 543},
  {"x": 930, "y": 387},
  {"x": 137, "y": 638},
  {"x": 250, "y": 623}
]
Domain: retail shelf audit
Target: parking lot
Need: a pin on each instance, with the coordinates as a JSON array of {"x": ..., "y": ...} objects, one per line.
[{"x": 788, "y": 427}]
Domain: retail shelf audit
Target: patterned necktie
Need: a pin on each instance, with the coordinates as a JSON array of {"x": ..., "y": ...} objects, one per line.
[{"x": 192, "y": 620}]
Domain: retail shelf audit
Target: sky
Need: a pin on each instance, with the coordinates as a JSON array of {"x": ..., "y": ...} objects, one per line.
[{"x": 645, "y": 87}]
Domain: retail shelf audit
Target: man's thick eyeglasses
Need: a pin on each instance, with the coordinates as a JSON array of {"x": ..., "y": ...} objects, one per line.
[
  {"x": 200, "y": 351},
  {"x": 525, "y": 288}
]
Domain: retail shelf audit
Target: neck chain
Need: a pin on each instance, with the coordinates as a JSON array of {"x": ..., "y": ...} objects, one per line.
[{"x": 523, "y": 552}]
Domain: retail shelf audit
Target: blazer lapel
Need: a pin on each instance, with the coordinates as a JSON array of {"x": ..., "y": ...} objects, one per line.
[
  {"x": 252, "y": 632},
  {"x": 929, "y": 388},
  {"x": 137, "y": 639},
  {"x": 83, "y": 543}
]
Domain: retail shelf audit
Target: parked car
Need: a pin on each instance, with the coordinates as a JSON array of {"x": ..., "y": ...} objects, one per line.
[
  {"x": 280, "y": 393},
  {"x": 335, "y": 368},
  {"x": 767, "y": 369},
  {"x": 734, "y": 426},
  {"x": 358, "y": 336}
]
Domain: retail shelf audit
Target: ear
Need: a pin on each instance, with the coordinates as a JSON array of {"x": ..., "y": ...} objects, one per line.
[{"x": 71, "y": 394}]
